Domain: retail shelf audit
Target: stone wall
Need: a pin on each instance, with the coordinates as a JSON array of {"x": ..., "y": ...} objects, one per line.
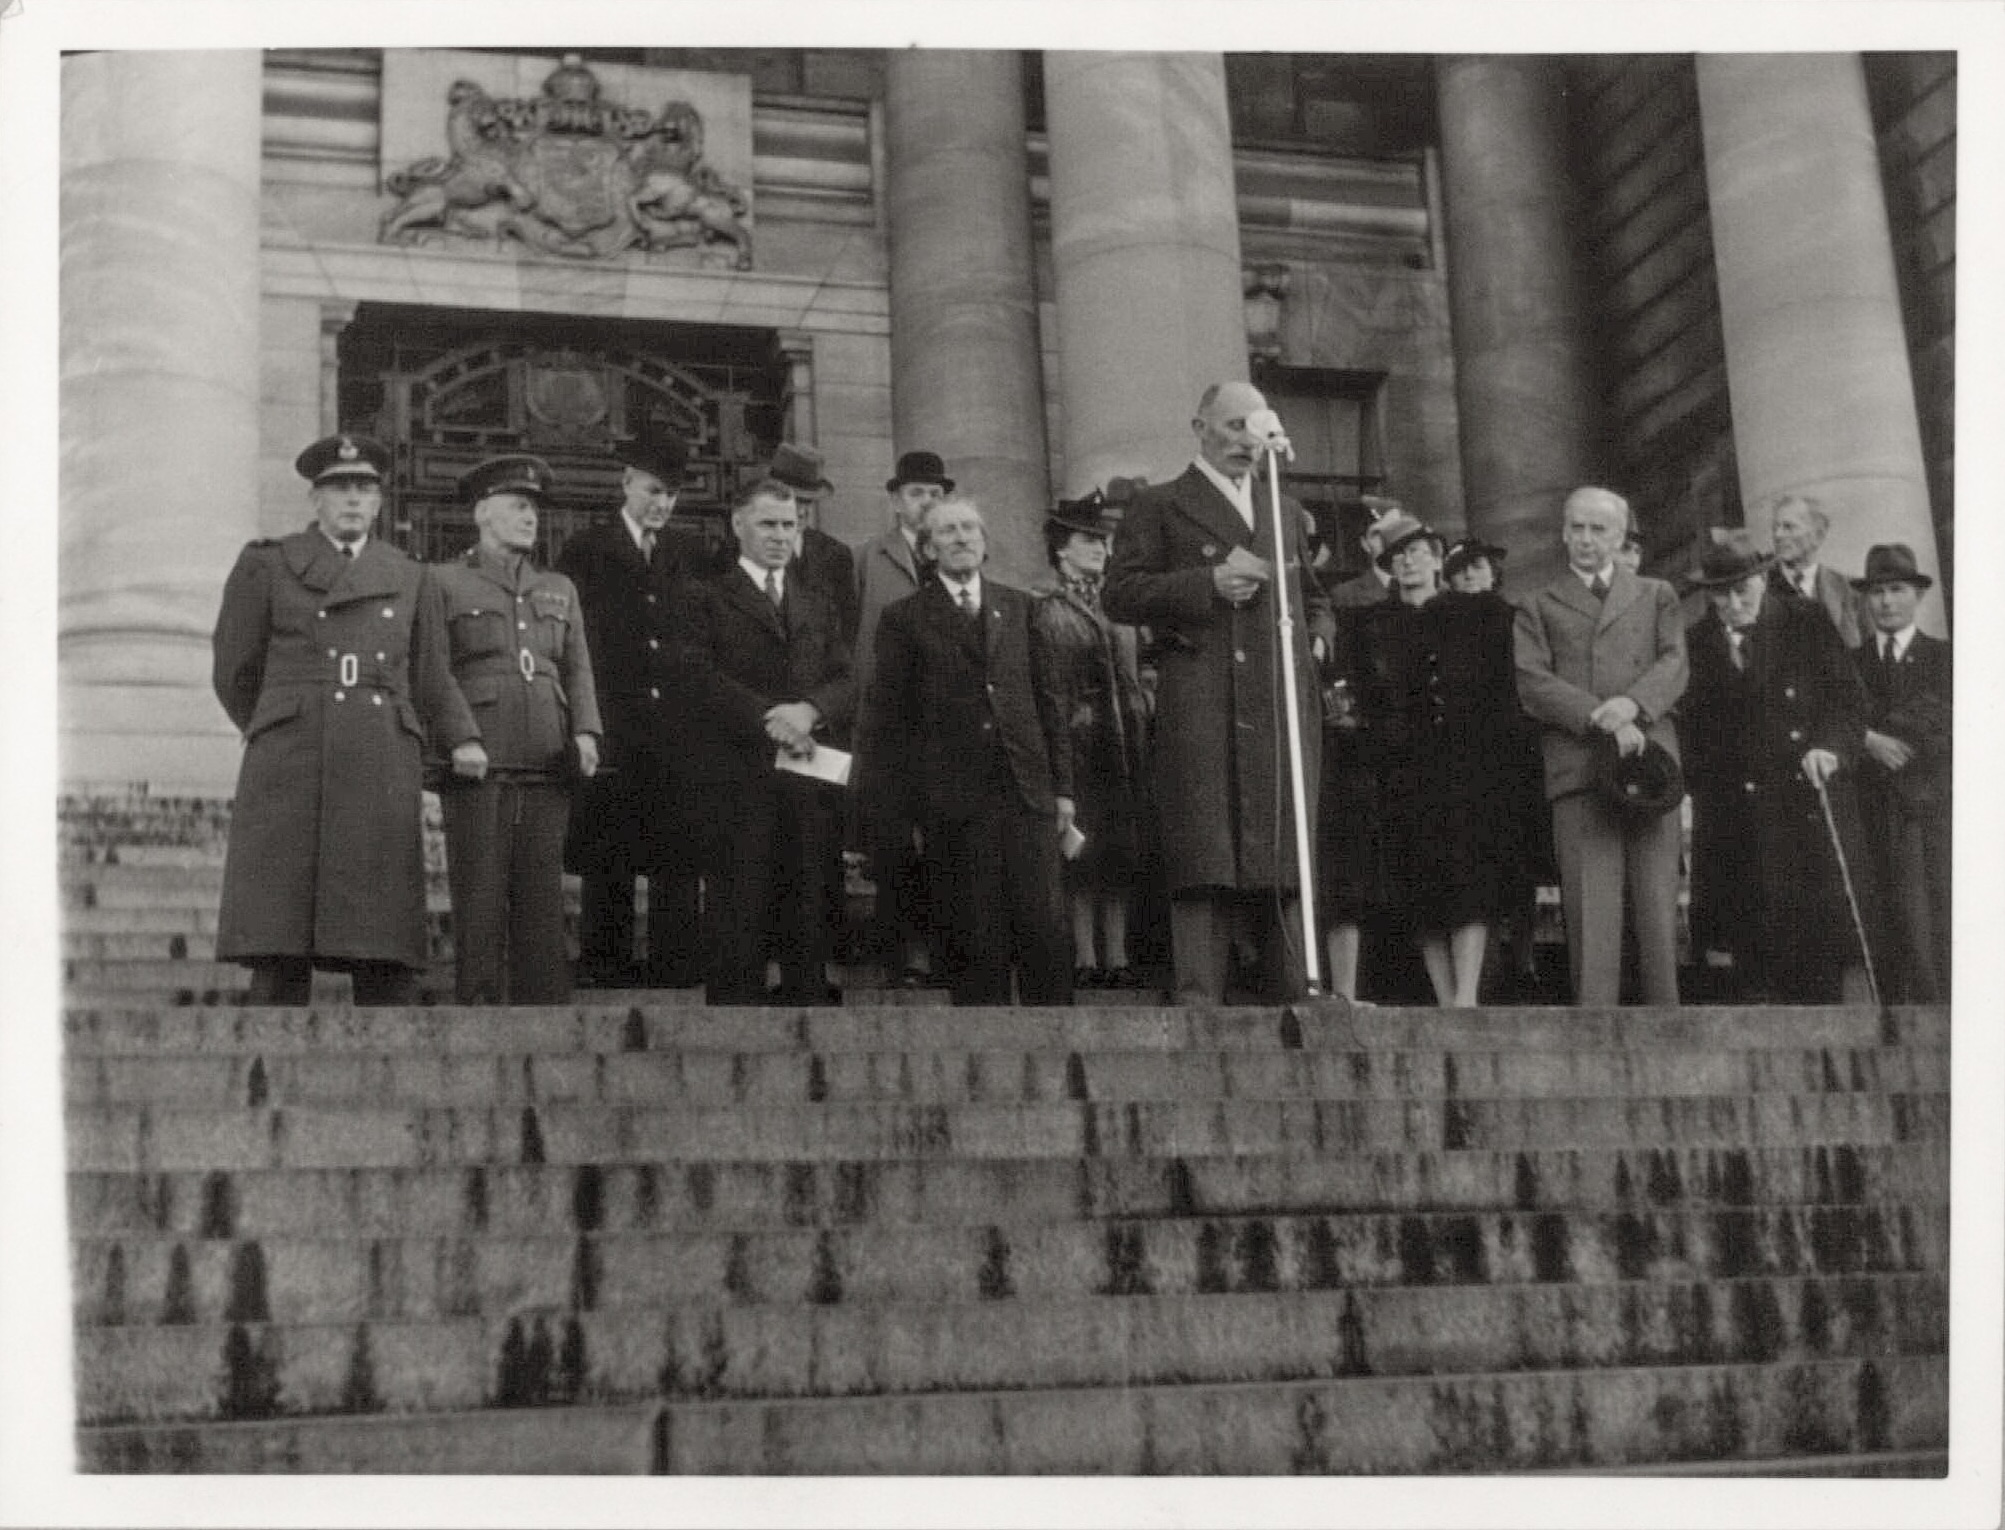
[{"x": 1914, "y": 112}]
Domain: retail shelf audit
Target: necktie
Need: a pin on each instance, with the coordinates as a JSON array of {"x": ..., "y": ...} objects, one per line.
[
  {"x": 966, "y": 600},
  {"x": 1737, "y": 647},
  {"x": 348, "y": 550},
  {"x": 1886, "y": 649},
  {"x": 773, "y": 587},
  {"x": 1598, "y": 587},
  {"x": 647, "y": 540}
]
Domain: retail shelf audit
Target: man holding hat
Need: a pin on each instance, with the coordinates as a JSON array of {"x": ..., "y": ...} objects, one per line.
[
  {"x": 519, "y": 658},
  {"x": 330, "y": 655},
  {"x": 1601, "y": 662},
  {"x": 629, "y": 821},
  {"x": 824, "y": 559},
  {"x": 1773, "y": 716},
  {"x": 1904, "y": 772},
  {"x": 888, "y": 568}
]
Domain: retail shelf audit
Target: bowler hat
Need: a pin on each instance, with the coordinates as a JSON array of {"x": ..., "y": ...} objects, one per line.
[
  {"x": 920, "y": 467},
  {"x": 1087, "y": 514},
  {"x": 660, "y": 452},
  {"x": 799, "y": 468},
  {"x": 515, "y": 473},
  {"x": 1891, "y": 563},
  {"x": 1640, "y": 786},
  {"x": 1120, "y": 491},
  {"x": 1398, "y": 529},
  {"x": 1731, "y": 556},
  {"x": 343, "y": 456},
  {"x": 1467, "y": 551}
]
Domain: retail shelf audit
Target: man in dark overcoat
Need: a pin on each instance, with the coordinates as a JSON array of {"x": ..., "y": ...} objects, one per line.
[
  {"x": 1904, "y": 773},
  {"x": 519, "y": 657},
  {"x": 1600, "y": 656},
  {"x": 761, "y": 668},
  {"x": 1195, "y": 562},
  {"x": 629, "y": 821},
  {"x": 968, "y": 726},
  {"x": 330, "y": 655},
  {"x": 1774, "y": 710},
  {"x": 888, "y": 568},
  {"x": 823, "y": 558}
]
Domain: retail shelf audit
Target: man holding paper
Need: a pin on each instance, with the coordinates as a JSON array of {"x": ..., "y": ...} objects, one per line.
[
  {"x": 968, "y": 740},
  {"x": 762, "y": 667}
]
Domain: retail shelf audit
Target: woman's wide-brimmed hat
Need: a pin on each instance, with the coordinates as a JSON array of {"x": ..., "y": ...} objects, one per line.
[
  {"x": 1398, "y": 529},
  {"x": 1729, "y": 557},
  {"x": 1465, "y": 552},
  {"x": 1088, "y": 513}
]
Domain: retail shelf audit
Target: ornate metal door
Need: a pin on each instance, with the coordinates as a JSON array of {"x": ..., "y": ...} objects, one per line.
[{"x": 574, "y": 404}]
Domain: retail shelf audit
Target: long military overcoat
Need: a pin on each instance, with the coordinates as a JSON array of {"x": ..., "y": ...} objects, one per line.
[
  {"x": 334, "y": 669},
  {"x": 1219, "y": 759}
]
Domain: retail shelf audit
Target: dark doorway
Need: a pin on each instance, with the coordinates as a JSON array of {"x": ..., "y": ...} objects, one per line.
[{"x": 444, "y": 388}]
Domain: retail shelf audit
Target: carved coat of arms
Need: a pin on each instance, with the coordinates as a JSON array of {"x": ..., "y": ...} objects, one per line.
[{"x": 570, "y": 174}]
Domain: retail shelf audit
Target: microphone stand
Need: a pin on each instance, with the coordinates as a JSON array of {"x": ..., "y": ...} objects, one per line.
[{"x": 1285, "y": 621}]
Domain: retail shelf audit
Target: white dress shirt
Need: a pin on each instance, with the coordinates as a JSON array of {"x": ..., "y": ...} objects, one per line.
[
  {"x": 973, "y": 587},
  {"x": 1894, "y": 645},
  {"x": 758, "y": 573}
]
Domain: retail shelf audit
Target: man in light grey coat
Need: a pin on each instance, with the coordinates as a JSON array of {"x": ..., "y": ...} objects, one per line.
[{"x": 1601, "y": 659}]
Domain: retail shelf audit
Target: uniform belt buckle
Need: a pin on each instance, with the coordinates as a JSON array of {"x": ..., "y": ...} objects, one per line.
[
  {"x": 528, "y": 664},
  {"x": 351, "y": 669}
]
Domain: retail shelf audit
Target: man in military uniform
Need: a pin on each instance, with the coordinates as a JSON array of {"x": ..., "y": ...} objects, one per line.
[
  {"x": 629, "y": 821},
  {"x": 520, "y": 658},
  {"x": 330, "y": 655}
]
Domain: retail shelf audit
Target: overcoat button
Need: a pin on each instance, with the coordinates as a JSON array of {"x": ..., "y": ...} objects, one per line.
[
  {"x": 654, "y": 692},
  {"x": 388, "y": 612},
  {"x": 1239, "y": 655},
  {"x": 1795, "y": 735},
  {"x": 381, "y": 657},
  {"x": 330, "y": 652},
  {"x": 340, "y": 695},
  {"x": 1789, "y": 691},
  {"x": 377, "y": 699}
]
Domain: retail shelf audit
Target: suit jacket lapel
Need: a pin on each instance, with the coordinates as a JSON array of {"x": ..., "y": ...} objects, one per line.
[
  {"x": 1198, "y": 498},
  {"x": 892, "y": 546},
  {"x": 738, "y": 586},
  {"x": 1624, "y": 590},
  {"x": 1569, "y": 591}
]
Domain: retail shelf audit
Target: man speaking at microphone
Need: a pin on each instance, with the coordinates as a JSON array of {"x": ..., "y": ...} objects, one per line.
[{"x": 1195, "y": 560}]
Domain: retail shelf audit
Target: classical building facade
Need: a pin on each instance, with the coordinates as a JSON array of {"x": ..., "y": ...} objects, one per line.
[{"x": 1472, "y": 282}]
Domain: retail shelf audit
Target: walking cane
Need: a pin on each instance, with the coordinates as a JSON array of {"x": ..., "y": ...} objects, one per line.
[
  {"x": 1851, "y": 897},
  {"x": 1266, "y": 424}
]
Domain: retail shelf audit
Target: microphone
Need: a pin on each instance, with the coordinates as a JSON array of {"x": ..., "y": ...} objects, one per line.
[{"x": 1264, "y": 425}]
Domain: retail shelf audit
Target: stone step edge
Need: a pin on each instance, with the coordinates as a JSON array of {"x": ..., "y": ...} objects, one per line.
[
  {"x": 696, "y": 1309},
  {"x": 1848, "y": 1464}
]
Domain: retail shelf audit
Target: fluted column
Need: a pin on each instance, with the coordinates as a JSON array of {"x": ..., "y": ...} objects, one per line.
[
  {"x": 1524, "y": 387},
  {"x": 1145, "y": 255},
  {"x": 1817, "y": 361},
  {"x": 964, "y": 348},
  {"x": 159, "y": 344}
]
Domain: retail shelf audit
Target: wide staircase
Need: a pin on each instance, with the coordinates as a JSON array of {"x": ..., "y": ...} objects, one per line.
[{"x": 652, "y": 1237}]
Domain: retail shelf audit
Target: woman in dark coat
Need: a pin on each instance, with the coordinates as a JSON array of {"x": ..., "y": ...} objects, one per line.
[
  {"x": 1104, "y": 704},
  {"x": 1429, "y": 681}
]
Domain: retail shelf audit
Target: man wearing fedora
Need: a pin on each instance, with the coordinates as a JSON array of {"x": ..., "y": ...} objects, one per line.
[
  {"x": 330, "y": 656},
  {"x": 1772, "y": 718},
  {"x": 1904, "y": 773},
  {"x": 629, "y": 821},
  {"x": 519, "y": 657},
  {"x": 1601, "y": 663},
  {"x": 889, "y": 568},
  {"x": 825, "y": 559}
]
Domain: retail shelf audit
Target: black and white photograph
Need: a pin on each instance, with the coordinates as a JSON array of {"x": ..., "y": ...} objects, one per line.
[{"x": 1014, "y": 767}]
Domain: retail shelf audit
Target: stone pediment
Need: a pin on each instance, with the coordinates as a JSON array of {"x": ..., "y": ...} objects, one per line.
[{"x": 587, "y": 162}]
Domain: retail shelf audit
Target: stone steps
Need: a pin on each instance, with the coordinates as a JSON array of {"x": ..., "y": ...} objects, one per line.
[
  {"x": 714, "y": 1078},
  {"x": 708, "y": 1195},
  {"x": 161, "y": 1281},
  {"x": 1525, "y": 1421},
  {"x": 531, "y": 1352},
  {"x": 588, "y": 1027},
  {"x": 144, "y": 1139}
]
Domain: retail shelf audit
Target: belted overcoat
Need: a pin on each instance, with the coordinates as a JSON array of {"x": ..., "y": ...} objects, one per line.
[{"x": 335, "y": 669}]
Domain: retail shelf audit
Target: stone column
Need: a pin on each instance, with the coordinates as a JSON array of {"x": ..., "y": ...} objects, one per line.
[
  {"x": 1817, "y": 361},
  {"x": 1145, "y": 255},
  {"x": 1524, "y": 386},
  {"x": 160, "y": 372},
  {"x": 964, "y": 345}
]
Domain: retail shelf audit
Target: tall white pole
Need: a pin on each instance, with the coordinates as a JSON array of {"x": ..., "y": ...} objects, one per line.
[{"x": 1297, "y": 780}]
